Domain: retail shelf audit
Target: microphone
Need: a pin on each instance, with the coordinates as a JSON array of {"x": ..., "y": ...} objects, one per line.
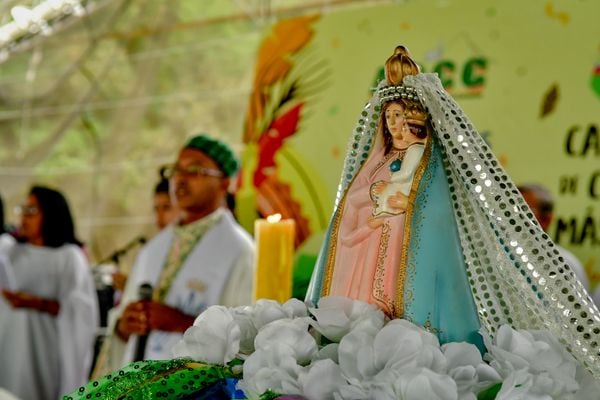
[
  {"x": 145, "y": 293},
  {"x": 117, "y": 254}
]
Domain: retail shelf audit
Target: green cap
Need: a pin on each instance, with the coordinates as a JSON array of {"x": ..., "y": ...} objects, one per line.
[{"x": 220, "y": 152}]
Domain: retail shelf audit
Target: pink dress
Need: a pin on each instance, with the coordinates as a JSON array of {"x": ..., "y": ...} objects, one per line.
[{"x": 365, "y": 268}]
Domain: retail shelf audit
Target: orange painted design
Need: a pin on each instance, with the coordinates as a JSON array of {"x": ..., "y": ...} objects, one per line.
[
  {"x": 271, "y": 120},
  {"x": 273, "y": 65},
  {"x": 270, "y": 142}
]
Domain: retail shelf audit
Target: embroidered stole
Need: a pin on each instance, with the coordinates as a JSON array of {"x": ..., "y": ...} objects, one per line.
[{"x": 184, "y": 239}]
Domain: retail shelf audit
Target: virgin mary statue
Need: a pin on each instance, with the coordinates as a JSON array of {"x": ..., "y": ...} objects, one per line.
[{"x": 462, "y": 253}]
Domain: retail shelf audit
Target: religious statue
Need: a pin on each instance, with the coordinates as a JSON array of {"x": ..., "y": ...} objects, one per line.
[{"x": 456, "y": 250}]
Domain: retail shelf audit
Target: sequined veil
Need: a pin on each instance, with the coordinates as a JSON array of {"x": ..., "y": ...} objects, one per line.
[{"x": 515, "y": 271}]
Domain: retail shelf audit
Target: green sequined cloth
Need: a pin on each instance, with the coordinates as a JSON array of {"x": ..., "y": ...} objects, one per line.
[{"x": 180, "y": 378}]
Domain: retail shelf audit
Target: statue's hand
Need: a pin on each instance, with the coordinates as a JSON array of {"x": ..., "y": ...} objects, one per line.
[
  {"x": 398, "y": 201},
  {"x": 375, "y": 222}
]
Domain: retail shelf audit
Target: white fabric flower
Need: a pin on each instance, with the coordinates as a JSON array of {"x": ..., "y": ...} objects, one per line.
[
  {"x": 335, "y": 315},
  {"x": 402, "y": 344},
  {"x": 518, "y": 386},
  {"x": 516, "y": 354},
  {"x": 289, "y": 332},
  {"x": 294, "y": 308},
  {"x": 416, "y": 384},
  {"x": 373, "y": 362},
  {"x": 329, "y": 352},
  {"x": 266, "y": 311},
  {"x": 357, "y": 357},
  {"x": 320, "y": 380},
  {"x": 468, "y": 370},
  {"x": 372, "y": 321},
  {"x": 248, "y": 330},
  {"x": 273, "y": 368},
  {"x": 214, "y": 338},
  {"x": 350, "y": 392}
]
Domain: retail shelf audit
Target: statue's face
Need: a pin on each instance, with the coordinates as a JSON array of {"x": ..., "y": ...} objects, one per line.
[{"x": 394, "y": 120}]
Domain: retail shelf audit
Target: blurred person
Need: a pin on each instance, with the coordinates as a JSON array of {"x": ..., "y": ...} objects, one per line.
[
  {"x": 165, "y": 212},
  {"x": 2, "y": 226},
  {"x": 49, "y": 319},
  {"x": 6, "y": 239},
  {"x": 205, "y": 258},
  {"x": 541, "y": 202}
]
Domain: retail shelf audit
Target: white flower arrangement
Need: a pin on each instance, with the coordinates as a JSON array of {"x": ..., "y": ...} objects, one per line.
[{"x": 346, "y": 349}]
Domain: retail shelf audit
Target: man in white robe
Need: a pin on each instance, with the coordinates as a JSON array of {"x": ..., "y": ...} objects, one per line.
[{"x": 205, "y": 258}]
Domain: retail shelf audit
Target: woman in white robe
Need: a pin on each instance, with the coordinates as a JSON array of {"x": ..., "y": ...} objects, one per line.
[{"x": 49, "y": 317}]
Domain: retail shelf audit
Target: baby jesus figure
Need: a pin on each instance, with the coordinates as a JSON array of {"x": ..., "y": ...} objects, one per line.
[{"x": 391, "y": 197}]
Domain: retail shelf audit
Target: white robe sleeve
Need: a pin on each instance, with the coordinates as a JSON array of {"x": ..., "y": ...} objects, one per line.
[
  {"x": 77, "y": 320},
  {"x": 7, "y": 278},
  {"x": 238, "y": 289}
]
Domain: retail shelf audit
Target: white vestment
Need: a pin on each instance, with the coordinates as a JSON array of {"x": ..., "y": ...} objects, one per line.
[
  {"x": 44, "y": 356},
  {"x": 218, "y": 270}
]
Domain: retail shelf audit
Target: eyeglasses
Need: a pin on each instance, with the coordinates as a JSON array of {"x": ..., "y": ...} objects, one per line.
[
  {"x": 190, "y": 171},
  {"x": 26, "y": 210}
]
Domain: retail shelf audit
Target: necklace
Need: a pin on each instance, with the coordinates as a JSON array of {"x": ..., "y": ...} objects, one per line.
[
  {"x": 398, "y": 153},
  {"x": 397, "y": 163}
]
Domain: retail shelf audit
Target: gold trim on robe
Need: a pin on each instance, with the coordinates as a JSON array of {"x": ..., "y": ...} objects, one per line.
[{"x": 399, "y": 306}]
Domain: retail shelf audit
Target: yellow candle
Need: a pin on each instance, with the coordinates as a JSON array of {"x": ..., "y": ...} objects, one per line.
[{"x": 274, "y": 258}]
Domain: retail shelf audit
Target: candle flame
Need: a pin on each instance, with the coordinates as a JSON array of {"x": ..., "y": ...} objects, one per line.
[{"x": 274, "y": 218}]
